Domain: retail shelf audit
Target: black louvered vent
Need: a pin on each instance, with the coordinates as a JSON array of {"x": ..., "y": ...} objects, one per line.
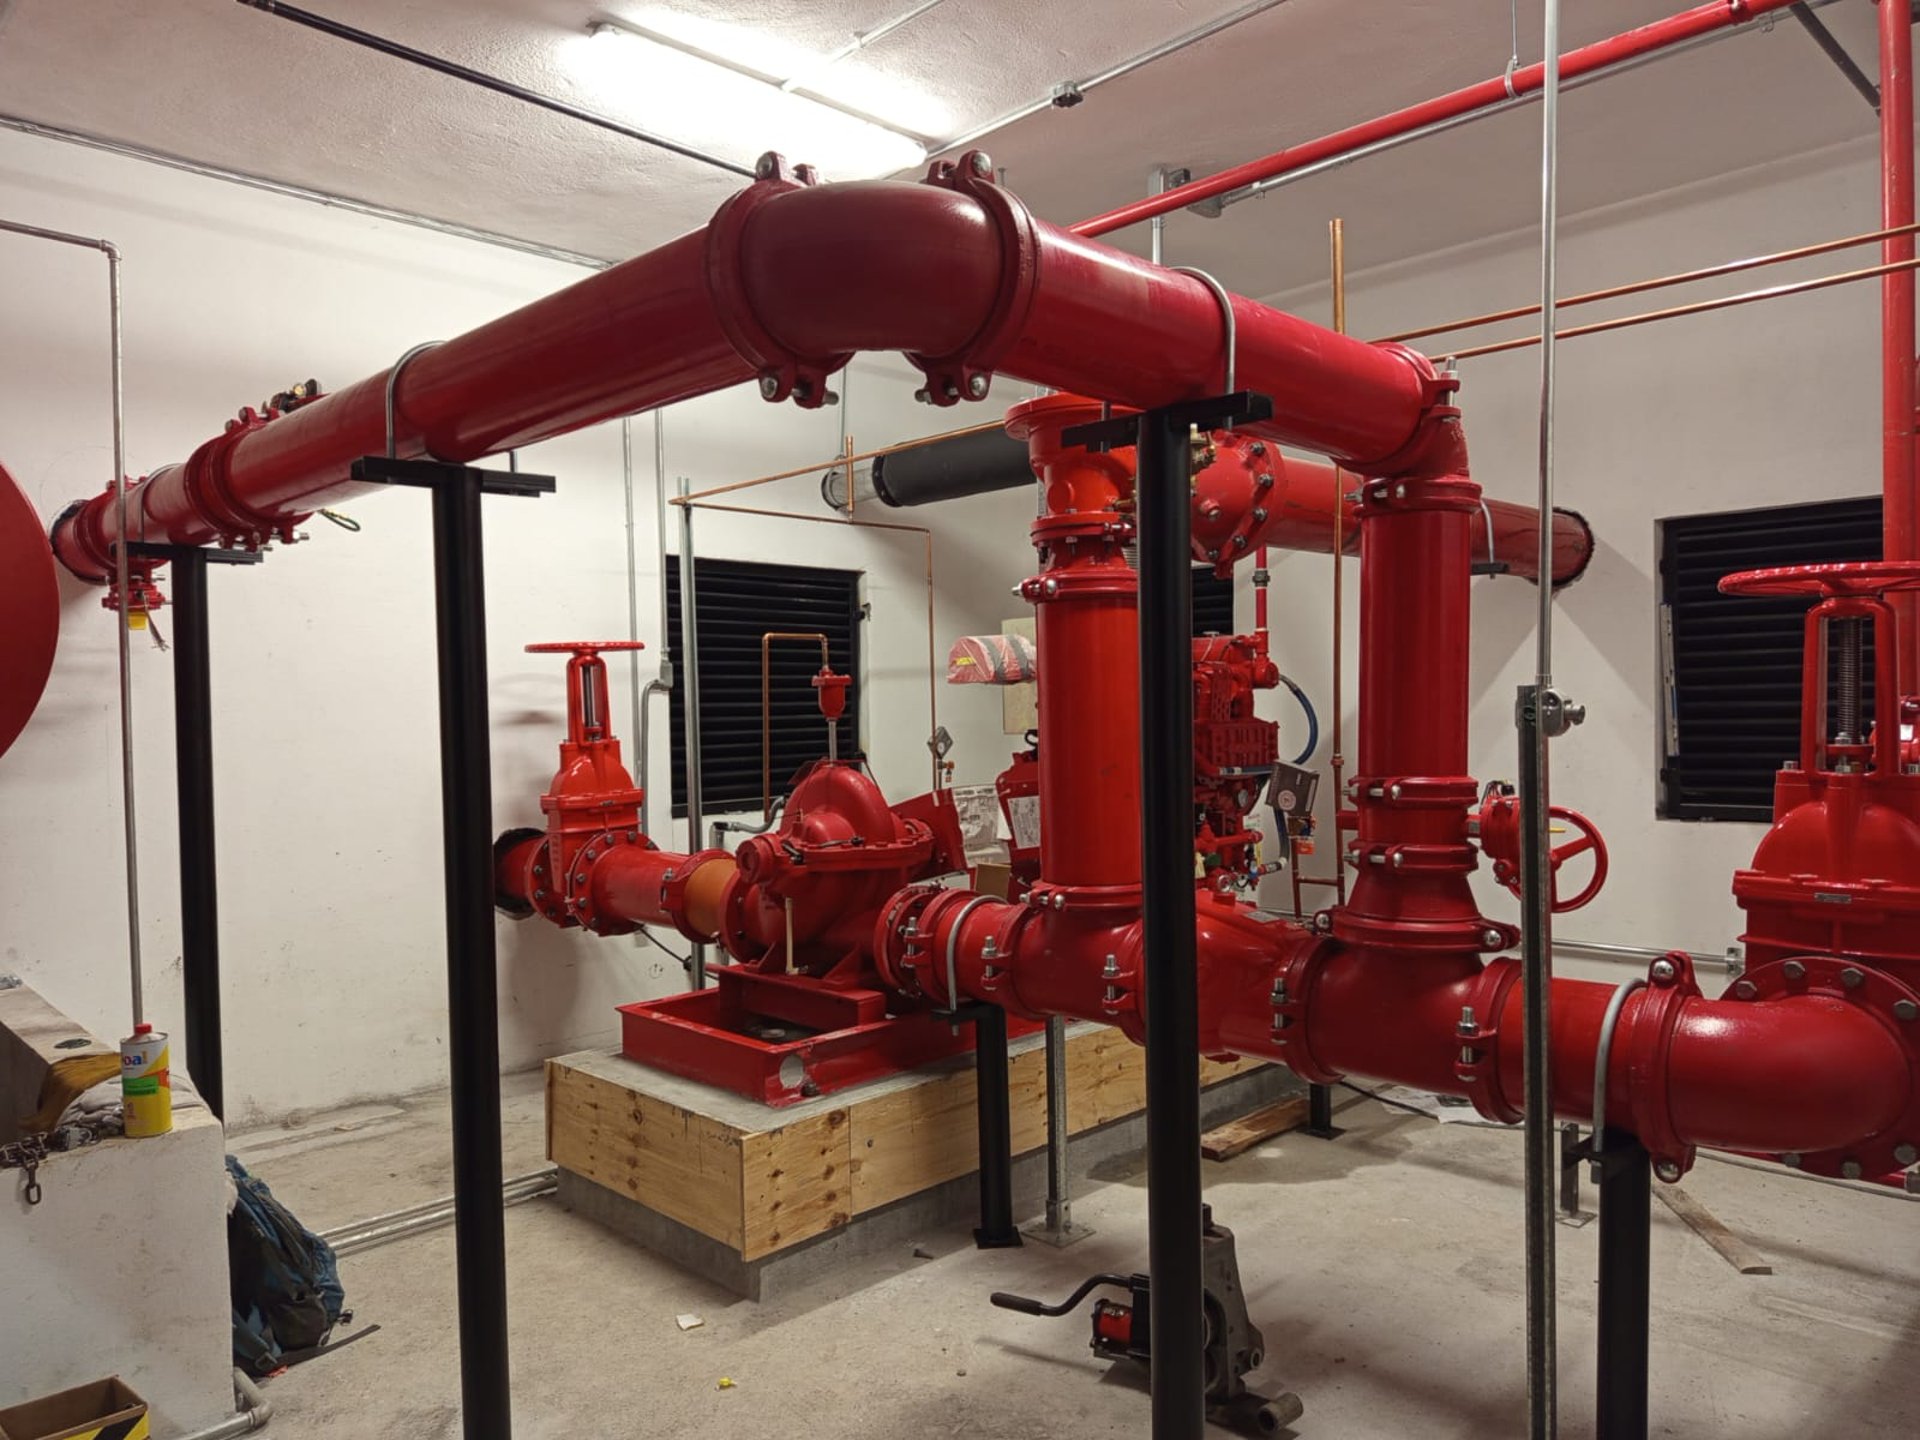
[
  {"x": 1731, "y": 665},
  {"x": 1212, "y": 603},
  {"x": 737, "y": 602}
]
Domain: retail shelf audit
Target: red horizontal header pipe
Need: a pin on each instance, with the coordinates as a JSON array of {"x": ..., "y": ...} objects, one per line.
[
  {"x": 1687, "y": 25},
  {"x": 787, "y": 283}
]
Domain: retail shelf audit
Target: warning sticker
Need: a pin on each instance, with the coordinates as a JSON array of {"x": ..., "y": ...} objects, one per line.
[{"x": 1023, "y": 815}]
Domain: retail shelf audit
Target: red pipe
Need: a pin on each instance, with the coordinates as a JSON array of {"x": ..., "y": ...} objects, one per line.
[
  {"x": 1687, "y": 25},
  {"x": 1250, "y": 496},
  {"x": 1086, "y": 605},
  {"x": 1901, "y": 522},
  {"x": 787, "y": 282}
]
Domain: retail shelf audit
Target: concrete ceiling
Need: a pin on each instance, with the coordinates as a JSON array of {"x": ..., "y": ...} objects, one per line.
[{"x": 226, "y": 85}]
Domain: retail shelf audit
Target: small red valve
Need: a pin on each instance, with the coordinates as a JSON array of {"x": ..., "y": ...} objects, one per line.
[
  {"x": 1499, "y": 820},
  {"x": 833, "y": 692}
]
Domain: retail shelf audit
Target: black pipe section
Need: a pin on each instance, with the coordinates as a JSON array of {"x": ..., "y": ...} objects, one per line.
[
  {"x": 473, "y": 1002},
  {"x": 488, "y": 82},
  {"x": 1831, "y": 47},
  {"x": 994, "y": 1115},
  {"x": 193, "y": 786},
  {"x": 948, "y": 469},
  {"x": 1174, "y": 1218},
  {"x": 193, "y": 779},
  {"x": 473, "y": 1018},
  {"x": 1170, "y": 984},
  {"x": 1626, "y": 1227}
]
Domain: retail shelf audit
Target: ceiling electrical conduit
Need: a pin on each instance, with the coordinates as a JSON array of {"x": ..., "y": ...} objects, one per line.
[{"x": 1500, "y": 91}]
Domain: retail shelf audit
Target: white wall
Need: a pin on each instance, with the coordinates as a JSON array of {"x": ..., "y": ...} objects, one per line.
[
  {"x": 326, "y": 743},
  {"x": 1758, "y": 405}
]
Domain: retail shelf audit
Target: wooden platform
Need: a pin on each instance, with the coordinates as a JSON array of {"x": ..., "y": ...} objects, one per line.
[{"x": 759, "y": 1181}]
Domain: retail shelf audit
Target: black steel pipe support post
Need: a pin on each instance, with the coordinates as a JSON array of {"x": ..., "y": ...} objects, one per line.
[
  {"x": 193, "y": 784},
  {"x": 1626, "y": 1226},
  {"x": 473, "y": 1006},
  {"x": 1163, "y": 499},
  {"x": 995, "y": 1119}
]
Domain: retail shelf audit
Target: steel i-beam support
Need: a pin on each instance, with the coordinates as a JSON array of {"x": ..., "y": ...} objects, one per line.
[
  {"x": 473, "y": 1005},
  {"x": 1163, "y": 499}
]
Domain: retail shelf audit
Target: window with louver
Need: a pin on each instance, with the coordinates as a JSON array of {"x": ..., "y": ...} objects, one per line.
[
  {"x": 1212, "y": 603},
  {"x": 1730, "y": 665},
  {"x": 737, "y": 602}
]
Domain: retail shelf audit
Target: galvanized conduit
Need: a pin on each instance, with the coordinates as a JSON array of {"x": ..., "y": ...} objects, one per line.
[
  {"x": 358, "y": 1235},
  {"x": 121, "y": 583},
  {"x": 254, "y": 1412}
]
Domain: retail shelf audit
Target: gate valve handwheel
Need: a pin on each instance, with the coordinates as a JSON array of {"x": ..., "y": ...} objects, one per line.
[
  {"x": 1499, "y": 820},
  {"x": 1850, "y": 579},
  {"x": 583, "y": 649},
  {"x": 833, "y": 692}
]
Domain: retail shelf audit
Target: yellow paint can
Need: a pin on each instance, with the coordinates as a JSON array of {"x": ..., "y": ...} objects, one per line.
[{"x": 146, "y": 1086}]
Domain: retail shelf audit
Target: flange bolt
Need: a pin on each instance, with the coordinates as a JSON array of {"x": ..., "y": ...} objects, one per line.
[
  {"x": 1850, "y": 1169},
  {"x": 1905, "y": 1154},
  {"x": 769, "y": 386},
  {"x": 1906, "y": 1010},
  {"x": 1794, "y": 970},
  {"x": 1664, "y": 971},
  {"x": 1667, "y": 1170},
  {"x": 1852, "y": 978}
]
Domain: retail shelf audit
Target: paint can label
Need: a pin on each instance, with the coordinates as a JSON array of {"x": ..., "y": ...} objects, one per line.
[{"x": 146, "y": 1086}]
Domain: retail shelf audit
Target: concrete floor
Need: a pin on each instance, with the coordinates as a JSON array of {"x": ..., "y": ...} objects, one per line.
[{"x": 1384, "y": 1268}]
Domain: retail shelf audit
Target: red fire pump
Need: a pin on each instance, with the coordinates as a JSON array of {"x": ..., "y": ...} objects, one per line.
[{"x": 801, "y": 1010}]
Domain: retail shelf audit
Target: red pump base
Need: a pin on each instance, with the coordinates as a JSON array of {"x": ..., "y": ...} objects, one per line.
[{"x": 781, "y": 1039}]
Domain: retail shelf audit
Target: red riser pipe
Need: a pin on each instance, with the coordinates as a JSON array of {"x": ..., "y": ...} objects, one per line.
[
  {"x": 1687, "y": 25},
  {"x": 1901, "y": 523},
  {"x": 801, "y": 278},
  {"x": 1086, "y": 602}
]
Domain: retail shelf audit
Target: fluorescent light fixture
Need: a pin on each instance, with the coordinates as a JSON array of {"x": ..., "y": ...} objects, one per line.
[{"x": 737, "y": 103}]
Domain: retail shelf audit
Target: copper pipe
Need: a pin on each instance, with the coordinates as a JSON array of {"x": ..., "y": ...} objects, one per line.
[
  {"x": 838, "y": 460},
  {"x": 1698, "y": 307},
  {"x": 766, "y": 706},
  {"x": 933, "y": 688},
  {"x": 1685, "y": 277}
]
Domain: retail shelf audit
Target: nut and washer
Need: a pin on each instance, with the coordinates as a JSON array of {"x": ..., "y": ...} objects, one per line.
[
  {"x": 1667, "y": 1170},
  {"x": 1791, "y": 1159},
  {"x": 1794, "y": 970},
  {"x": 1906, "y": 1154},
  {"x": 1745, "y": 990},
  {"x": 1852, "y": 978},
  {"x": 1850, "y": 1169},
  {"x": 1906, "y": 1010}
]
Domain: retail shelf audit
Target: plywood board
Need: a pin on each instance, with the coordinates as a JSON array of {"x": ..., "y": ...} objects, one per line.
[
  {"x": 796, "y": 1183},
  {"x": 670, "y": 1159},
  {"x": 1239, "y": 1136},
  {"x": 761, "y": 1180}
]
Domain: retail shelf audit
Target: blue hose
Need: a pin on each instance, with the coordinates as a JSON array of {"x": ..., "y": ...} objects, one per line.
[{"x": 1313, "y": 720}]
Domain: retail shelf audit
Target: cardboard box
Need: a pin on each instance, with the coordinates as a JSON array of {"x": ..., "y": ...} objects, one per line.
[{"x": 99, "y": 1410}]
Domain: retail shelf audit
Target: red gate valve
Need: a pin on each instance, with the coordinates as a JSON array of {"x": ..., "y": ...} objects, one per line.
[
  {"x": 587, "y": 709},
  {"x": 1498, "y": 820},
  {"x": 833, "y": 692}
]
